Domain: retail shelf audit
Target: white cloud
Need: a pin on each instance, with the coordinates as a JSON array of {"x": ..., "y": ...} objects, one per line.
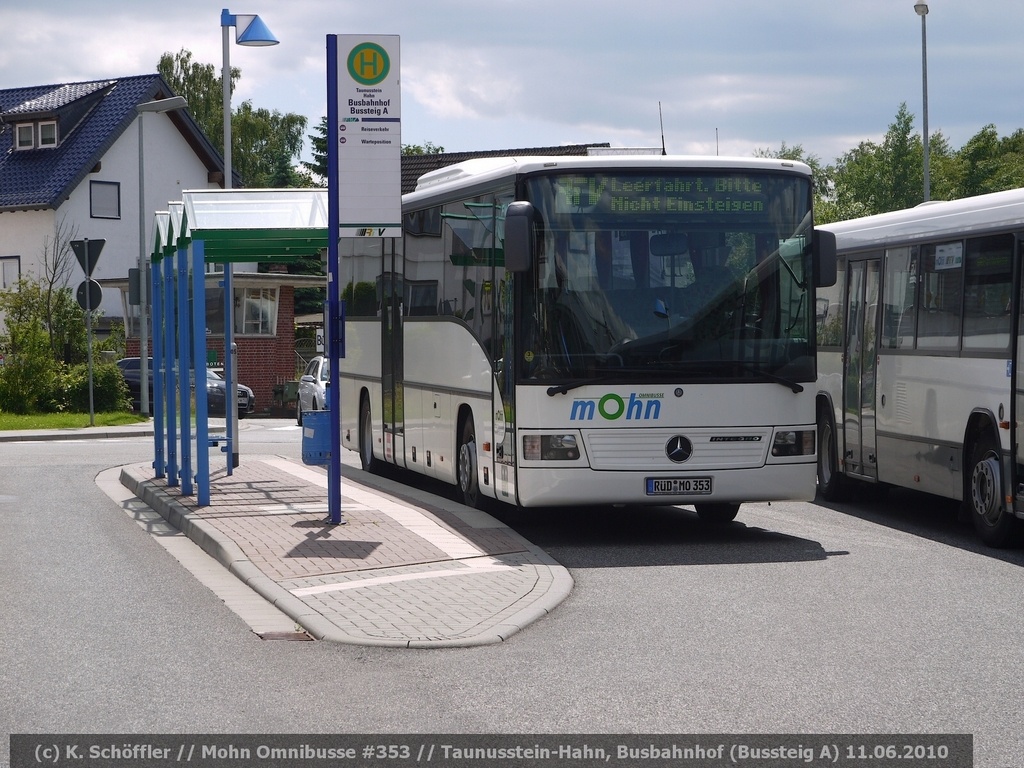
[{"x": 823, "y": 75}]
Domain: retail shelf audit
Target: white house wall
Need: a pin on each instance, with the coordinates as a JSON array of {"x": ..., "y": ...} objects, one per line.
[{"x": 171, "y": 166}]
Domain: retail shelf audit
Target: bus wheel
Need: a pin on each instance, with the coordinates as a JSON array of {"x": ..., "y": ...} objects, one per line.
[
  {"x": 717, "y": 514},
  {"x": 830, "y": 481},
  {"x": 467, "y": 475},
  {"x": 366, "y": 458},
  {"x": 994, "y": 523}
]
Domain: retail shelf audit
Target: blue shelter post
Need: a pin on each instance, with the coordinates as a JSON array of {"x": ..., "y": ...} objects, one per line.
[
  {"x": 230, "y": 388},
  {"x": 199, "y": 345},
  {"x": 184, "y": 366},
  {"x": 155, "y": 370},
  {"x": 168, "y": 362}
]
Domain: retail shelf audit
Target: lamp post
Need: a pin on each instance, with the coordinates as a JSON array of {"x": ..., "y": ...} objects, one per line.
[
  {"x": 159, "y": 105},
  {"x": 922, "y": 10},
  {"x": 249, "y": 30}
]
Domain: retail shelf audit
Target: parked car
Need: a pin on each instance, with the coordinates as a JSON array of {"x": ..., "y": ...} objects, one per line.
[
  {"x": 131, "y": 370},
  {"x": 312, "y": 393},
  {"x": 215, "y": 389}
]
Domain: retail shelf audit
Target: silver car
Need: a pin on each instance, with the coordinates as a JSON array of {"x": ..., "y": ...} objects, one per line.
[{"x": 312, "y": 394}]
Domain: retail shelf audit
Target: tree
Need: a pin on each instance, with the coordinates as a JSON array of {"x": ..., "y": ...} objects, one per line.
[
  {"x": 265, "y": 145},
  {"x": 987, "y": 163},
  {"x": 203, "y": 90},
  {"x": 876, "y": 178},
  {"x": 422, "y": 149}
]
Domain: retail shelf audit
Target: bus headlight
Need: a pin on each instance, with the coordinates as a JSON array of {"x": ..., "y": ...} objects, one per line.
[
  {"x": 794, "y": 442},
  {"x": 550, "y": 448}
]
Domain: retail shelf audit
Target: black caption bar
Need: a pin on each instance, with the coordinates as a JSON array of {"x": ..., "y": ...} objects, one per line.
[{"x": 479, "y": 750}]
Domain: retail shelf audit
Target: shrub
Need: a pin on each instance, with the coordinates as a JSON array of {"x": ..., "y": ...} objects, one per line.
[
  {"x": 109, "y": 391},
  {"x": 27, "y": 376}
]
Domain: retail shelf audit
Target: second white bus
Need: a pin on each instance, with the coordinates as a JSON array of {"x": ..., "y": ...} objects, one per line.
[{"x": 921, "y": 383}]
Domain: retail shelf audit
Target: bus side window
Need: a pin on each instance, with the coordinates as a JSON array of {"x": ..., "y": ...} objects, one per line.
[
  {"x": 987, "y": 292},
  {"x": 899, "y": 320},
  {"x": 939, "y": 294}
]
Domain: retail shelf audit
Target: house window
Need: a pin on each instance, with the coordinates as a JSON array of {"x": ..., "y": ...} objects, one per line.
[
  {"x": 104, "y": 200},
  {"x": 48, "y": 134},
  {"x": 26, "y": 136},
  {"x": 255, "y": 311},
  {"x": 10, "y": 272},
  {"x": 257, "y": 314}
]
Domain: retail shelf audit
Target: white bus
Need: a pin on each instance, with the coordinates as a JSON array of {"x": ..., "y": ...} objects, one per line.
[
  {"x": 591, "y": 330},
  {"x": 919, "y": 340}
]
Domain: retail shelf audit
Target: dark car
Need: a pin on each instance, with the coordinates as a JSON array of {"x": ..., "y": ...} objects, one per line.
[
  {"x": 215, "y": 389},
  {"x": 131, "y": 369}
]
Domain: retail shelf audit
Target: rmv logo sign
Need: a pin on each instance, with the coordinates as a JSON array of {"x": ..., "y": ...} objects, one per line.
[{"x": 612, "y": 407}]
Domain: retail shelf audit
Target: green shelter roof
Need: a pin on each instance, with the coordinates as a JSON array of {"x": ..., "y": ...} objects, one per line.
[{"x": 247, "y": 225}]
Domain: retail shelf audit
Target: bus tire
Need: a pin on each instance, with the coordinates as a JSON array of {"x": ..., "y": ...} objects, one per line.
[
  {"x": 994, "y": 522},
  {"x": 467, "y": 477},
  {"x": 831, "y": 483},
  {"x": 366, "y": 458},
  {"x": 717, "y": 514}
]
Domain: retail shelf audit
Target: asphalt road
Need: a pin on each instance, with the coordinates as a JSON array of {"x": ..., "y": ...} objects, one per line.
[{"x": 797, "y": 618}]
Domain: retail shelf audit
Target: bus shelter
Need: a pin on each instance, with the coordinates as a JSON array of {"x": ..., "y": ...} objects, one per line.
[{"x": 205, "y": 229}]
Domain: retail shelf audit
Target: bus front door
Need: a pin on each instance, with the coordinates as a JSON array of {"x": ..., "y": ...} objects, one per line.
[
  {"x": 860, "y": 366},
  {"x": 392, "y": 352}
]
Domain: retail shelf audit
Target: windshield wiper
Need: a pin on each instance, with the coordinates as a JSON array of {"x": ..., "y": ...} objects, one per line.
[
  {"x": 795, "y": 386},
  {"x": 562, "y": 389}
]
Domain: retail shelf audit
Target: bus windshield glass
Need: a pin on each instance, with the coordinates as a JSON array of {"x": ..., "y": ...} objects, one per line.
[{"x": 677, "y": 275}]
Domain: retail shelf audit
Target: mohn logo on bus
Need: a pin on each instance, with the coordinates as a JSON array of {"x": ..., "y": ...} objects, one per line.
[{"x": 639, "y": 407}]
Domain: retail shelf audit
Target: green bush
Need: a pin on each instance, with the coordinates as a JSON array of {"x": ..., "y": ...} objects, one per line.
[
  {"x": 109, "y": 391},
  {"x": 26, "y": 378}
]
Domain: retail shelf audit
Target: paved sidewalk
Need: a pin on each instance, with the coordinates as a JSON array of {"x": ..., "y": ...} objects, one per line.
[{"x": 400, "y": 572}]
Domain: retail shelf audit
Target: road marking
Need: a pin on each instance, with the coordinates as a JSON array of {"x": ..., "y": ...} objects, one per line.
[{"x": 472, "y": 567}]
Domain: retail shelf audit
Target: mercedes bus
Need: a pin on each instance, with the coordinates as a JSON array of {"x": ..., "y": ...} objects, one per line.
[{"x": 592, "y": 330}]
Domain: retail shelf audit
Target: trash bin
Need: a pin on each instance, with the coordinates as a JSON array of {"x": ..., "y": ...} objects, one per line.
[{"x": 316, "y": 437}]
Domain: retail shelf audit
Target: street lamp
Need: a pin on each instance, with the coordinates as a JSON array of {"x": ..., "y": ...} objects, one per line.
[
  {"x": 249, "y": 30},
  {"x": 159, "y": 105},
  {"x": 922, "y": 11}
]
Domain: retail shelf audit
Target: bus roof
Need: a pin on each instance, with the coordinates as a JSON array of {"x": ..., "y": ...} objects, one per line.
[
  {"x": 480, "y": 171},
  {"x": 956, "y": 218}
]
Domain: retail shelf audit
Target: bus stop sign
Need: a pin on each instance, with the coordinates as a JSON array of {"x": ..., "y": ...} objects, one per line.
[{"x": 88, "y": 253}]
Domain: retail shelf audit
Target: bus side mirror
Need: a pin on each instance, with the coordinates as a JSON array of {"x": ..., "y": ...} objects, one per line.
[
  {"x": 824, "y": 258},
  {"x": 520, "y": 236}
]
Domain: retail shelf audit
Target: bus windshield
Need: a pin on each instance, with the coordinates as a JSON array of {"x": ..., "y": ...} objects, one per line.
[{"x": 675, "y": 275}]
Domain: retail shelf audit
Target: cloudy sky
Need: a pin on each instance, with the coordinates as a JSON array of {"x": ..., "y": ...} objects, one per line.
[{"x": 731, "y": 76}]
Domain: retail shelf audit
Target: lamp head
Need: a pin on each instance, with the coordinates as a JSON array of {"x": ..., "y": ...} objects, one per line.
[
  {"x": 921, "y": 8},
  {"x": 249, "y": 29}
]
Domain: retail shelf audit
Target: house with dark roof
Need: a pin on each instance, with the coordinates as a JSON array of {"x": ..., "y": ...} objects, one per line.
[{"x": 73, "y": 158}]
